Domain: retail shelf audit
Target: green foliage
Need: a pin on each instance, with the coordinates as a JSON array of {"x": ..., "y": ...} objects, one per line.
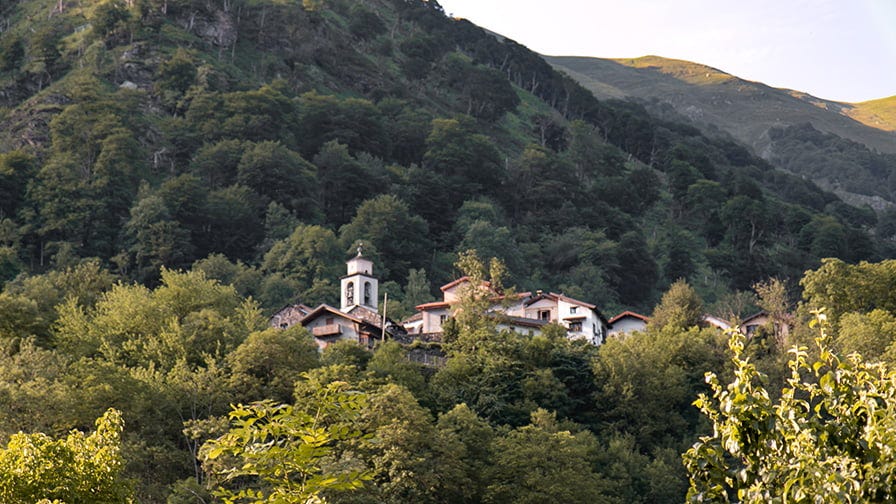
[
  {"x": 310, "y": 256},
  {"x": 390, "y": 360},
  {"x": 16, "y": 167},
  {"x": 279, "y": 449},
  {"x": 841, "y": 288},
  {"x": 680, "y": 308},
  {"x": 395, "y": 232},
  {"x": 269, "y": 362},
  {"x": 647, "y": 381},
  {"x": 344, "y": 181},
  {"x": 185, "y": 318},
  {"x": 523, "y": 473},
  {"x": 804, "y": 150},
  {"x": 485, "y": 91},
  {"x": 826, "y": 438},
  {"x": 175, "y": 76},
  {"x": 870, "y": 334},
  {"x": 279, "y": 174},
  {"x": 12, "y": 53},
  {"x": 152, "y": 134},
  {"x": 80, "y": 468}
]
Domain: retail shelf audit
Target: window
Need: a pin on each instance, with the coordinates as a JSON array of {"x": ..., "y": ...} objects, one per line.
[
  {"x": 329, "y": 320},
  {"x": 544, "y": 314},
  {"x": 443, "y": 318},
  {"x": 367, "y": 293},
  {"x": 575, "y": 326},
  {"x": 350, "y": 293},
  {"x": 573, "y": 309}
]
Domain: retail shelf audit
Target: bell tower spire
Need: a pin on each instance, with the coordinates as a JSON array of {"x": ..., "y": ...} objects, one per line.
[{"x": 359, "y": 286}]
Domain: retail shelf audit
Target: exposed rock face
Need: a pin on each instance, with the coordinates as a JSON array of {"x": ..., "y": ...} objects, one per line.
[
  {"x": 216, "y": 28},
  {"x": 136, "y": 67}
]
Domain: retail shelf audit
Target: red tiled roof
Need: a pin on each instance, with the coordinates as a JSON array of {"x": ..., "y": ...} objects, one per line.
[
  {"x": 456, "y": 282},
  {"x": 629, "y": 314},
  {"x": 461, "y": 280},
  {"x": 433, "y": 305}
]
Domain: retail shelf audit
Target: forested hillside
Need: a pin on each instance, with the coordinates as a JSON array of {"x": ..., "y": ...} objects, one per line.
[
  {"x": 151, "y": 134},
  {"x": 751, "y": 112},
  {"x": 171, "y": 172}
]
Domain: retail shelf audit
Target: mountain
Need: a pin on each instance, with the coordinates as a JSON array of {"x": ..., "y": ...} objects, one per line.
[
  {"x": 754, "y": 114},
  {"x": 745, "y": 109},
  {"x": 275, "y": 136},
  {"x": 172, "y": 170}
]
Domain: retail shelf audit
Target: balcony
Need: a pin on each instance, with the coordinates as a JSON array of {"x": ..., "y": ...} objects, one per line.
[{"x": 327, "y": 330}]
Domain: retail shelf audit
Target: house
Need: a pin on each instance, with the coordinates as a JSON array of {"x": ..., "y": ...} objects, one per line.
[
  {"x": 356, "y": 319},
  {"x": 754, "y": 322},
  {"x": 523, "y": 313},
  {"x": 628, "y": 322},
  {"x": 717, "y": 322},
  {"x": 289, "y": 315}
]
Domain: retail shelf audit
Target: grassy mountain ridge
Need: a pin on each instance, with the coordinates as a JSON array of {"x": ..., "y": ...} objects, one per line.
[
  {"x": 743, "y": 108},
  {"x": 880, "y": 113}
]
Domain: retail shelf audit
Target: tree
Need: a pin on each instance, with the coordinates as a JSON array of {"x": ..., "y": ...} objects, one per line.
[
  {"x": 474, "y": 437},
  {"x": 773, "y": 299},
  {"x": 827, "y": 438},
  {"x": 399, "y": 236},
  {"x": 870, "y": 334},
  {"x": 342, "y": 181},
  {"x": 273, "y": 453},
  {"x": 186, "y": 318},
  {"x": 416, "y": 290},
  {"x": 486, "y": 91},
  {"x": 390, "y": 360},
  {"x": 217, "y": 163},
  {"x": 156, "y": 239},
  {"x": 409, "y": 461},
  {"x": 80, "y": 468},
  {"x": 542, "y": 463},
  {"x": 680, "y": 307},
  {"x": 310, "y": 256},
  {"x": 470, "y": 161},
  {"x": 841, "y": 288},
  {"x": 646, "y": 383},
  {"x": 269, "y": 362},
  {"x": 280, "y": 174},
  {"x": 16, "y": 167}
]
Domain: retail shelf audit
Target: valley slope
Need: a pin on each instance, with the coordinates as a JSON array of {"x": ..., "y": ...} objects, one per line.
[{"x": 743, "y": 108}]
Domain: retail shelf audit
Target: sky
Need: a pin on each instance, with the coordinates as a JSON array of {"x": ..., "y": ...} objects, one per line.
[{"x": 843, "y": 50}]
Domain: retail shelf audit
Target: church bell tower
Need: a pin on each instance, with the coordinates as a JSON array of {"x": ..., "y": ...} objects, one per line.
[{"x": 359, "y": 286}]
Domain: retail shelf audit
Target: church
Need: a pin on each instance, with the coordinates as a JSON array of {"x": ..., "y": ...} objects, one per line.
[{"x": 356, "y": 319}]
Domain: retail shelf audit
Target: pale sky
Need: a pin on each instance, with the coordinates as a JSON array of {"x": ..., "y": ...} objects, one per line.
[{"x": 842, "y": 50}]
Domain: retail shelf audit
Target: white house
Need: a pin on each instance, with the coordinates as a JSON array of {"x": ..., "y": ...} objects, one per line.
[
  {"x": 524, "y": 313},
  {"x": 628, "y": 322}
]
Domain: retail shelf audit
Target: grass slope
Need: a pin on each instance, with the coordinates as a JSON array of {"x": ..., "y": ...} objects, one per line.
[{"x": 879, "y": 114}]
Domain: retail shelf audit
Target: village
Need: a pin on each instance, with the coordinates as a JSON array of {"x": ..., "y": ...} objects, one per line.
[{"x": 358, "y": 316}]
